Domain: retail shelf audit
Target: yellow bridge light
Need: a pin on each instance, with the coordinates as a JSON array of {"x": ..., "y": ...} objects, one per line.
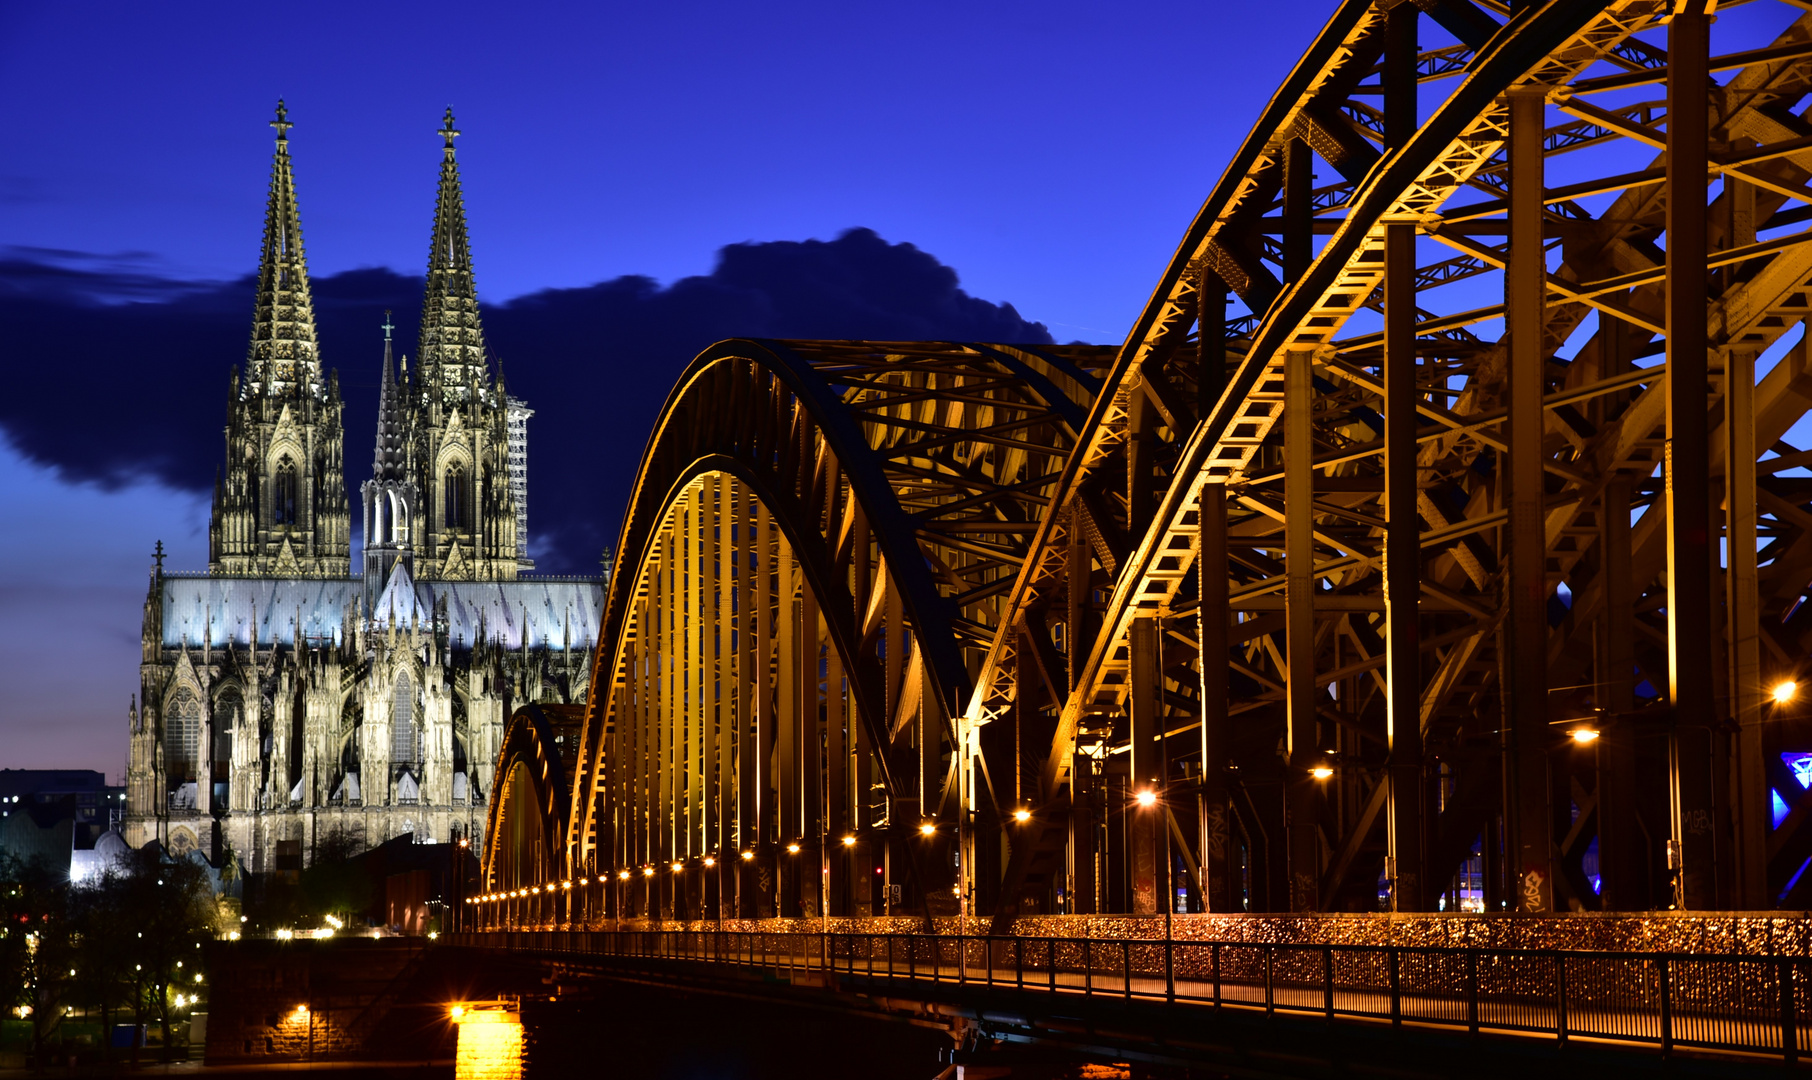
[
  {"x": 1147, "y": 797},
  {"x": 1584, "y": 735},
  {"x": 623, "y": 875},
  {"x": 458, "y": 1011},
  {"x": 1322, "y": 772},
  {"x": 709, "y": 861},
  {"x": 792, "y": 849},
  {"x": 677, "y": 867},
  {"x": 647, "y": 871},
  {"x": 1022, "y": 815},
  {"x": 1785, "y": 691},
  {"x": 928, "y": 828},
  {"x": 849, "y": 841},
  {"x": 747, "y": 855}
]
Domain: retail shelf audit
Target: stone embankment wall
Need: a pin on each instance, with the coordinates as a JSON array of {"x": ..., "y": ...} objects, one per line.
[{"x": 343, "y": 999}]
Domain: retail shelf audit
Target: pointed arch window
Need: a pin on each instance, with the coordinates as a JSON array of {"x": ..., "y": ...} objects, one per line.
[
  {"x": 402, "y": 722},
  {"x": 283, "y": 493},
  {"x": 182, "y": 738},
  {"x": 456, "y": 498}
]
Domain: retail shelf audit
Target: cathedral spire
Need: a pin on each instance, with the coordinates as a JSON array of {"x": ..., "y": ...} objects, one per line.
[
  {"x": 452, "y": 339},
  {"x": 387, "y": 462},
  {"x": 284, "y": 359}
]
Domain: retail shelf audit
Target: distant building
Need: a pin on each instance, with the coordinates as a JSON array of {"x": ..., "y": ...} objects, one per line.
[
  {"x": 58, "y": 815},
  {"x": 280, "y": 695}
]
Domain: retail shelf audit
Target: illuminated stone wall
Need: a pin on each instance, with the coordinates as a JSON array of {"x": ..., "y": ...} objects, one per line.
[{"x": 490, "y": 1045}]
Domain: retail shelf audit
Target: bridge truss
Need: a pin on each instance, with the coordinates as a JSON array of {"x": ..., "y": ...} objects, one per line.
[{"x": 1436, "y": 538}]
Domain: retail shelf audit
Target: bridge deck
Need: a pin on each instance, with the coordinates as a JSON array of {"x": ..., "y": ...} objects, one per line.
[{"x": 1732, "y": 1003}]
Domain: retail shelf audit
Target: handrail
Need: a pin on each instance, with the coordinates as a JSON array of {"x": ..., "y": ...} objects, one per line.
[{"x": 1731, "y": 1002}]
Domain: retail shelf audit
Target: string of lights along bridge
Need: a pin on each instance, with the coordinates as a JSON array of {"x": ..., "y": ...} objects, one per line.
[{"x": 1437, "y": 542}]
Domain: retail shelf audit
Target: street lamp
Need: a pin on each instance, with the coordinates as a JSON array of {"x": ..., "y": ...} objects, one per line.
[
  {"x": 1785, "y": 691},
  {"x": 1582, "y": 736}
]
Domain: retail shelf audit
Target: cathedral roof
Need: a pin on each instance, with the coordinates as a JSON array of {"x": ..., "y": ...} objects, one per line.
[
  {"x": 225, "y": 610},
  {"x": 452, "y": 338},
  {"x": 284, "y": 357}
]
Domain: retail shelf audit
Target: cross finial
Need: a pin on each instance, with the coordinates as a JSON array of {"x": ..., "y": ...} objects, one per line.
[
  {"x": 447, "y": 130},
  {"x": 158, "y": 554},
  {"x": 387, "y": 326},
  {"x": 281, "y": 123}
]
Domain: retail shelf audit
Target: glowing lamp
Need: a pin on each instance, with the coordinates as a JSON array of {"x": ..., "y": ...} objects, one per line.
[
  {"x": 647, "y": 871},
  {"x": 928, "y": 828},
  {"x": 1147, "y": 798},
  {"x": 1022, "y": 815},
  {"x": 709, "y": 861},
  {"x": 849, "y": 841},
  {"x": 792, "y": 849},
  {"x": 1584, "y": 735},
  {"x": 623, "y": 875},
  {"x": 458, "y": 1011},
  {"x": 747, "y": 855},
  {"x": 677, "y": 867},
  {"x": 1784, "y": 691},
  {"x": 1322, "y": 772}
]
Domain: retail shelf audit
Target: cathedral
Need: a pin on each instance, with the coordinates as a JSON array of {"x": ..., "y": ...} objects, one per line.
[{"x": 284, "y": 698}]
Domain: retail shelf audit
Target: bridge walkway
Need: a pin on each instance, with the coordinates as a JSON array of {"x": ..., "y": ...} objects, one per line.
[{"x": 1748, "y": 1005}]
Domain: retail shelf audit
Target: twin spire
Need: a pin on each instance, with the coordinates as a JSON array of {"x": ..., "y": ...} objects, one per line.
[
  {"x": 452, "y": 348},
  {"x": 284, "y": 359}
]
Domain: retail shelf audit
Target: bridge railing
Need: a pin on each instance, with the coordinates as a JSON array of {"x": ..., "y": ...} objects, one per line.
[{"x": 1747, "y": 1003}]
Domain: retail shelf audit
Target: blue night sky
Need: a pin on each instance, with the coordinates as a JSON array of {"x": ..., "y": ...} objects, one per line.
[{"x": 1049, "y": 156}]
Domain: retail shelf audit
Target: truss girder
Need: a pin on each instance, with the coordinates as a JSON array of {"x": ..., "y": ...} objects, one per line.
[{"x": 1602, "y": 414}]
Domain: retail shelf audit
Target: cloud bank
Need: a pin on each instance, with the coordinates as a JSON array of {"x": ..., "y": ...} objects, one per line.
[{"x": 119, "y": 374}]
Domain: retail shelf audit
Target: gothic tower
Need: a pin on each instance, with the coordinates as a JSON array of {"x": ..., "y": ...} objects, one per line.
[
  {"x": 280, "y": 506},
  {"x": 392, "y": 499},
  {"x": 459, "y": 422}
]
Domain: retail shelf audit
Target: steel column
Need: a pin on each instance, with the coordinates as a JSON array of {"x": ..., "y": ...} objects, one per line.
[
  {"x": 1219, "y": 891},
  {"x": 1526, "y": 690},
  {"x": 1690, "y": 623},
  {"x": 1145, "y": 819},
  {"x": 1301, "y": 695},
  {"x": 1402, "y": 572}
]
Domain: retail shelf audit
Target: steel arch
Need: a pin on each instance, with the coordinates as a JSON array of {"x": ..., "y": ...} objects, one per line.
[
  {"x": 532, "y": 799},
  {"x": 903, "y": 482},
  {"x": 1328, "y": 581}
]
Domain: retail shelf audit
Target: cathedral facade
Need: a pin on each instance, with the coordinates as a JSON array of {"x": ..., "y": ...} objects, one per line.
[{"x": 284, "y": 698}]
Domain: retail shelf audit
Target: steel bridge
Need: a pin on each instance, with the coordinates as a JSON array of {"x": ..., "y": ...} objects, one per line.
[{"x": 1437, "y": 539}]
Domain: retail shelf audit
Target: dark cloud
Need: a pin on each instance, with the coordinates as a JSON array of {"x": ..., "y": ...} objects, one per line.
[{"x": 118, "y": 373}]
